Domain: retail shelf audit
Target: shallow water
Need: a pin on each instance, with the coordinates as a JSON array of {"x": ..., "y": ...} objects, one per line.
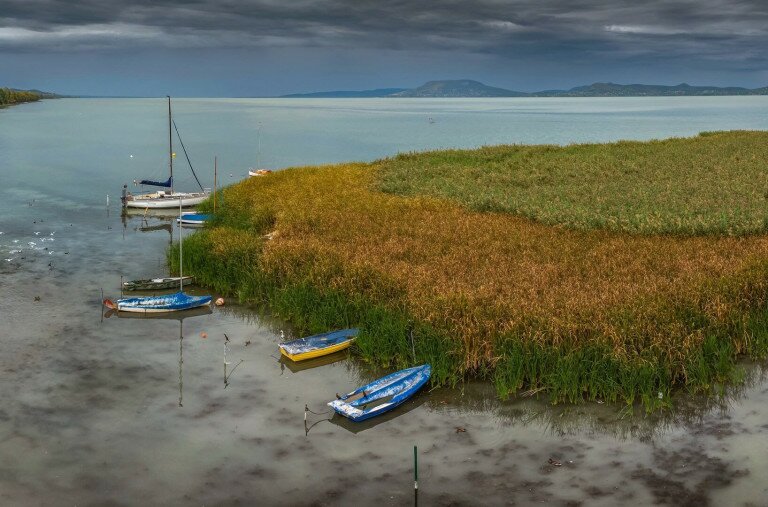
[{"x": 122, "y": 411}]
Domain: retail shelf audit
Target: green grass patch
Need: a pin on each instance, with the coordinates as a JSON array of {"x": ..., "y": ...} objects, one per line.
[{"x": 716, "y": 183}]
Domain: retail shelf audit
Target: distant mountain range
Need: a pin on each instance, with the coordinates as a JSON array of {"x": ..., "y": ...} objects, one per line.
[{"x": 469, "y": 88}]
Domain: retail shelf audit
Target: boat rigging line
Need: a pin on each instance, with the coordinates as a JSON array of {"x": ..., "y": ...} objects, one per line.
[{"x": 186, "y": 155}]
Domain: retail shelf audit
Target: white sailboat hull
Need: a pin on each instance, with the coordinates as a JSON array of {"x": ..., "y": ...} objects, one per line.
[{"x": 161, "y": 200}]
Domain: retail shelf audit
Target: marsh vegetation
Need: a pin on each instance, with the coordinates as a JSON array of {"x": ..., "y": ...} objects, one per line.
[{"x": 614, "y": 272}]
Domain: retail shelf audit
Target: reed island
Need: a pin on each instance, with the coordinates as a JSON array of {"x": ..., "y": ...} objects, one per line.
[
  {"x": 617, "y": 272},
  {"x": 10, "y": 96}
]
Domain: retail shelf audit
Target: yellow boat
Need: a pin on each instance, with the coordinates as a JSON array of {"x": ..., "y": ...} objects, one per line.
[{"x": 318, "y": 345}]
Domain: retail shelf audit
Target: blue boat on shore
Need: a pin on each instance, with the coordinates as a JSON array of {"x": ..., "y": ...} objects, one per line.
[
  {"x": 193, "y": 218},
  {"x": 158, "y": 304},
  {"x": 382, "y": 395}
]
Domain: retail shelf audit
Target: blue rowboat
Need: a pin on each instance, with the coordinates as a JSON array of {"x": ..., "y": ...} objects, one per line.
[
  {"x": 318, "y": 345},
  {"x": 381, "y": 395},
  {"x": 193, "y": 218},
  {"x": 157, "y": 304}
]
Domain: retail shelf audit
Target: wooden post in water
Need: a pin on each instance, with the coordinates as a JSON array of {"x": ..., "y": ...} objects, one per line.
[{"x": 215, "y": 170}]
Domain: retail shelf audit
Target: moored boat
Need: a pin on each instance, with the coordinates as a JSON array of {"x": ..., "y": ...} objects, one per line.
[
  {"x": 165, "y": 199},
  {"x": 170, "y": 282},
  {"x": 158, "y": 304},
  {"x": 193, "y": 218},
  {"x": 382, "y": 395},
  {"x": 318, "y": 345}
]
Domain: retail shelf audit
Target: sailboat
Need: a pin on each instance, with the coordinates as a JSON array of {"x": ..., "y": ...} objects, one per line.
[
  {"x": 160, "y": 304},
  {"x": 256, "y": 171},
  {"x": 163, "y": 198}
]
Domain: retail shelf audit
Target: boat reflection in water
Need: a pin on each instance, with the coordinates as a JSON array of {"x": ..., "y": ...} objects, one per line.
[
  {"x": 356, "y": 427},
  {"x": 296, "y": 367},
  {"x": 196, "y": 312}
]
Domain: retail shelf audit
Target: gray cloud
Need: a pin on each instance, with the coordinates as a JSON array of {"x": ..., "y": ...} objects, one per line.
[
  {"x": 720, "y": 29},
  {"x": 522, "y": 44}
]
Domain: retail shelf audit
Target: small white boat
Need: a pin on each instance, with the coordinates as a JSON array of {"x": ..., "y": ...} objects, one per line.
[
  {"x": 165, "y": 200},
  {"x": 259, "y": 172}
]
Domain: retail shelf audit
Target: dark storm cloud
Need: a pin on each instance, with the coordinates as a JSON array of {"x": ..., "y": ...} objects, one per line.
[{"x": 708, "y": 29}]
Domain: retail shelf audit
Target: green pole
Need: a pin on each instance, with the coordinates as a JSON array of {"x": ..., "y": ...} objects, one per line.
[
  {"x": 415, "y": 469},
  {"x": 415, "y": 477}
]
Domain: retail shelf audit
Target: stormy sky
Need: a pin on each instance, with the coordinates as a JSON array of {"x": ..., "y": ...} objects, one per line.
[{"x": 273, "y": 47}]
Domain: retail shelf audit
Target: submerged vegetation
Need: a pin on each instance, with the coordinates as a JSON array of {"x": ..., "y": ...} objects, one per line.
[{"x": 563, "y": 303}]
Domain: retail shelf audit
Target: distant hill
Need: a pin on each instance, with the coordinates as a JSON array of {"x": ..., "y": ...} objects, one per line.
[
  {"x": 380, "y": 92},
  {"x": 470, "y": 88},
  {"x": 458, "y": 88},
  {"x": 641, "y": 90}
]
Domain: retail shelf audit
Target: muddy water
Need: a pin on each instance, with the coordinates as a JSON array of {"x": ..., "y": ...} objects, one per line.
[{"x": 99, "y": 409}]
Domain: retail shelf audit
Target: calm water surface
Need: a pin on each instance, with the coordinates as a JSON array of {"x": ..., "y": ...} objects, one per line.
[{"x": 124, "y": 411}]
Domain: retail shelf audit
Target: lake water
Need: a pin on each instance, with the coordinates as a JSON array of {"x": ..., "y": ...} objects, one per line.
[{"x": 105, "y": 410}]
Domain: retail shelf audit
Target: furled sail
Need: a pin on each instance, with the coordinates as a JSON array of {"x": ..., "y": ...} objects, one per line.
[{"x": 166, "y": 184}]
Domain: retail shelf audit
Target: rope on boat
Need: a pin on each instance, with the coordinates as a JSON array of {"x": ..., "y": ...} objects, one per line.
[
  {"x": 306, "y": 409},
  {"x": 186, "y": 155}
]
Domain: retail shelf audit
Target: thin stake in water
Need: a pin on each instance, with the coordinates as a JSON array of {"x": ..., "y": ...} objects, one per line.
[{"x": 415, "y": 476}]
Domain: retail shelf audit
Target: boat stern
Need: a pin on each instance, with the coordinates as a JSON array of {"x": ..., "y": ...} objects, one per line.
[{"x": 341, "y": 407}]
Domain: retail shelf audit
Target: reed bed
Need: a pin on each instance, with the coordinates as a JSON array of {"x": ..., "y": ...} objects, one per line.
[
  {"x": 715, "y": 183},
  {"x": 574, "y": 312}
]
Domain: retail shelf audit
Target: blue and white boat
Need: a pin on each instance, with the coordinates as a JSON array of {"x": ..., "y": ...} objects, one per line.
[
  {"x": 158, "y": 304},
  {"x": 193, "y": 219},
  {"x": 382, "y": 395}
]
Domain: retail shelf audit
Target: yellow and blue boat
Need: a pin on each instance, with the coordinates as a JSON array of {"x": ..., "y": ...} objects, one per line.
[{"x": 318, "y": 345}]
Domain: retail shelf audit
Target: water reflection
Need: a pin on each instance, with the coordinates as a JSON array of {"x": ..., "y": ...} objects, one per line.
[
  {"x": 179, "y": 316},
  {"x": 296, "y": 367},
  {"x": 415, "y": 402}
]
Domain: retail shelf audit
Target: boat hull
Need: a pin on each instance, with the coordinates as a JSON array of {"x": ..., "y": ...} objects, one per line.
[
  {"x": 161, "y": 304},
  {"x": 395, "y": 388},
  {"x": 193, "y": 219},
  {"x": 166, "y": 201},
  {"x": 318, "y": 345},
  {"x": 170, "y": 282}
]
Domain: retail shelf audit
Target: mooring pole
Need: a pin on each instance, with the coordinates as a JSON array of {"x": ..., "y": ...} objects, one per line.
[
  {"x": 410, "y": 337},
  {"x": 215, "y": 173},
  {"x": 415, "y": 476}
]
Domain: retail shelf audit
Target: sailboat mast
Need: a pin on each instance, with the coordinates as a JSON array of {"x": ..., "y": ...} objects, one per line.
[{"x": 170, "y": 143}]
